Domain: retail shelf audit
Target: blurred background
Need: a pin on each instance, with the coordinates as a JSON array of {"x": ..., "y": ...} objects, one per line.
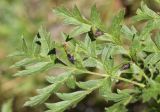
[{"x": 24, "y": 17}]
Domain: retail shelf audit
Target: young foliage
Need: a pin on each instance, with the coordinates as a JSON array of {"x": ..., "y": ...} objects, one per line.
[{"x": 138, "y": 66}]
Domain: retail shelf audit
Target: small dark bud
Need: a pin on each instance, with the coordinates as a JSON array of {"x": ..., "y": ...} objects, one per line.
[
  {"x": 110, "y": 57},
  {"x": 70, "y": 58},
  {"x": 38, "y": 42},
  {"x": 85, "y": 58},
  {"x": 52, "y": 52},
  {"x": 38, "y": 35},
  {"x": 68, "y": 38},
  {"x": 125, "y": 66},
  {"x": 98, "y": 33},
  {"x": 133, "y": 36},
  {"x": 58, "y": 61},
  {"x": 94, "y": 33}
]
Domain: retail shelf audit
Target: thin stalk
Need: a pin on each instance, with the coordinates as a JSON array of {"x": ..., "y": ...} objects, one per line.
[
  {"x": 106, "y": 75},
  {"x": 117, "y": 77}
]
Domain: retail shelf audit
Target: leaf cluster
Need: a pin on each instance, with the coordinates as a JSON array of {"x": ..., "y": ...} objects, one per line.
[{"x": 137, "y": 66}]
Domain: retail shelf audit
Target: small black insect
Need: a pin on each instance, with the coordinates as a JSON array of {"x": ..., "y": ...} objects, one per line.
[
  {"x": 56, "y": 61},
  {"x": 71, "y": 58},
  {"x": 52, "y": 52},
  {"x": 125, "y": 66},
  {"x": 38, "y": 42},
  {"x": 68, "y": 38},
  {"x": 38, "y": 35}
]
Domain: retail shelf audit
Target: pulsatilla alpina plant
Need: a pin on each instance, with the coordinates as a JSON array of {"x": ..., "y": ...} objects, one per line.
[{"x": 136, "y": 65}]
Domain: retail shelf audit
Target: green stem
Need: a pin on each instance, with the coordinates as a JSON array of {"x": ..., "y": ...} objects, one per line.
[
  {"x": 117, "y": 77},
  {"x": 106, "y": 75}
]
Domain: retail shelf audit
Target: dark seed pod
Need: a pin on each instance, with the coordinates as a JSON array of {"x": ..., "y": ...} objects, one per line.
[
  {"x": 56, "y": 61},
  {"x": 70, "y": 58},
  {"x": 68, "y": 38},
  {"x": 38, "y": 35},
  {"x": 125, "y": 66},
  {"x": 52, "y": 52},
  {"x": 38, "y": 42}
]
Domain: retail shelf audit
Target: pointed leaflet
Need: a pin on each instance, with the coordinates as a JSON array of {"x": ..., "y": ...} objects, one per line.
[
  {"x": 152, "y": 59},
  {"x": 129, "y": 33},
  {"x": 75, "y": 97},
  {"x": 95, "y": 18},
  {"x": 74, "y": 17},
  {"x": 145, "y": 13},
  {"x": 157, "y": 40},
  {"x": 24, "y": 45},
  {"x": 44, "y": 93},
  {"x": 17, "y": 53},
  {"x": 59, "y": 78},
  {"x": 38, "y": 67},
  {"x": 106, "y": 58},
  {"x": 71, "y": 82},
  {"x": 151, "y": 25},
  {"x": 90, "y": 62},
  {"x": 39, "y": 99},
  {"x": 35, "y": 47},
  {"x": 147, "y": 43},
  {"x": 23, "y": 62},
  {"x": 115, "y": 28},
  {"x": 80, "y": 30},
  {"x": 71, "y": 16},
  {"x": 58, "y": 107},
  {"x": 152, "y": 91},
  {"x": 106, "y": 53},
  {"x": 118, "y": 107},
  {"x": 45, "y": 42},
  {"x": 89, "y": 46},
  {"x": 119, "y": 96},
  {"x": 71, "y": 96},
  {"x": 91, "y": 84},
  {"x": 106, "y": 87},
  {"x": 135, "y": 47}
]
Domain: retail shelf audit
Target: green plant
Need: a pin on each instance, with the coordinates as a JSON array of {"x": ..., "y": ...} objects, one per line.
[{"x": 135, "y": 65}]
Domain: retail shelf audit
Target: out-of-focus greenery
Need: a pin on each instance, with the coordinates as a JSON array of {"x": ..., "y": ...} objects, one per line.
[{"x": 17, "y": 18}]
